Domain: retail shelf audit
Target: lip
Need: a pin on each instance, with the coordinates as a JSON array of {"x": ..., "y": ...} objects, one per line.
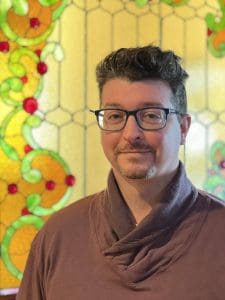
[{"x": 136, "y": 151}]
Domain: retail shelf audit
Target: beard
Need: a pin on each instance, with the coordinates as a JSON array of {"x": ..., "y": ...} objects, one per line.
[
  {"x": 138, "y": 174},
  {"x": 136, "y": 167}
]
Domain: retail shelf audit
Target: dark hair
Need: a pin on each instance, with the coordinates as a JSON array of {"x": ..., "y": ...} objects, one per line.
[{"x": 142, "y": 63}]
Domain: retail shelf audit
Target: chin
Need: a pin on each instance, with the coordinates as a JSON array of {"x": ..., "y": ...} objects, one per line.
[{"x": 138, "y": 174}]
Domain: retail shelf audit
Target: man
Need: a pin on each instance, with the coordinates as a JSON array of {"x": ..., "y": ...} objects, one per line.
[{"x": 151, "y": 234}]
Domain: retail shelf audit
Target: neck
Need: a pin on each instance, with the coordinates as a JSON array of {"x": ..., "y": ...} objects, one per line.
[{"x": 142, "y": 195}]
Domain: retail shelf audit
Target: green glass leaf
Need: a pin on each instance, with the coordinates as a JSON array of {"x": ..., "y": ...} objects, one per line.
[
  {"x": 33, "y": 176},
  {"x": 9, "y": 150},
  {"x": 141, "y": 3},
  {"x": 16, "y": 84},
  {"x": 20, "y": 7},
  {"x": 57, "y": 13},
  {"x": 33, "y": 201},
  {"x": 33, "y": 121},
  {"x": 8, "y": 236},
  {"x": 48, "y": 3}
]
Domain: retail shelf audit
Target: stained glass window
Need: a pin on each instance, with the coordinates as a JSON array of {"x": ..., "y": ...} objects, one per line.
[{"x": 50, "y": 152}]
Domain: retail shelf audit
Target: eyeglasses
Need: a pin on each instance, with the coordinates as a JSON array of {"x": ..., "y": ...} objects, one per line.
[{"x": 150, "y": 118}]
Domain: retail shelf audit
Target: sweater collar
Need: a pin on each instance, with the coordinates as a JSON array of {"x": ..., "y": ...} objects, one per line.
[
  {"x": 137, "y": 252},
  {"x": 176, "y": 203}
]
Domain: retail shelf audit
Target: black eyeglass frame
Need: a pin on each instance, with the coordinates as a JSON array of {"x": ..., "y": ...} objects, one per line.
[{"x": 134, "y": 113}]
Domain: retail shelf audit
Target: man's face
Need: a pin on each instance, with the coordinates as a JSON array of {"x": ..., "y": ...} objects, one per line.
[{"x": 135, "y": 153}]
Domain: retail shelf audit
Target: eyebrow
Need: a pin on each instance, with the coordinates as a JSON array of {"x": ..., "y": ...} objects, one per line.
[{"x": 142, "y": 105}]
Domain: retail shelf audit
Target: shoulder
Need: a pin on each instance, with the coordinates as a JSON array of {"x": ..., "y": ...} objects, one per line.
[
  {"x": 213, "y": 201},
  {"x": 216, "y": 210}
]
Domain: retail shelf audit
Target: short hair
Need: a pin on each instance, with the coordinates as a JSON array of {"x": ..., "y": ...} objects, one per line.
[{"x": 143, "y": 63}]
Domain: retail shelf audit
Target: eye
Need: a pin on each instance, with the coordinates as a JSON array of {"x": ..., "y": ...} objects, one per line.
[
  {"x": 113, "y": 115},
  {"x": 151, "y": 116}
]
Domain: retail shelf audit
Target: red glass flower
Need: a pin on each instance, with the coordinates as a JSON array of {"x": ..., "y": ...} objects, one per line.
[
  {"x": 25, "y": 211},
  {"x": 27, "y": 148},
  {"x": 4, "y": 46},
  {"x": 24, "y": 79},
  {"x": 50, "y": 185},
  {"x": 35, "y": 23},
  {"x": 42, "y": 68},
  {"x": 222, "y": 164},
  {"x": 12, "y": 188},
  {"x": 30, "y": 105},
  {"x": 70, "y": 180}
]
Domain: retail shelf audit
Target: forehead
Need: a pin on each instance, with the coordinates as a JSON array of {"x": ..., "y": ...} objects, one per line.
[{"x": 130, "y": 95}]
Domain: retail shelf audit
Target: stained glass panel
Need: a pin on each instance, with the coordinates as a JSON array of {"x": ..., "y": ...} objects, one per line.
[{"x": 50, "y": 152}]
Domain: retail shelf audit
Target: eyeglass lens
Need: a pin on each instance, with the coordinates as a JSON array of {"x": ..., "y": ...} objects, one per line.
[{"x": 147, "y": 118}]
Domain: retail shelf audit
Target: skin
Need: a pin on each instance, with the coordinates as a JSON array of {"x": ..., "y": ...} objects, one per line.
[{"x": 143, "y": 162}]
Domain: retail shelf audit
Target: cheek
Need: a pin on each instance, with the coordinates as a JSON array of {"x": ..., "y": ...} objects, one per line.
[
  {"x": 165, "y": 142},
  {"x": 171, "y": 142},
  {"x": 103, "y": 141},
  {"x": 109, "y": 142},
  {"x": 155, "y": 139}
]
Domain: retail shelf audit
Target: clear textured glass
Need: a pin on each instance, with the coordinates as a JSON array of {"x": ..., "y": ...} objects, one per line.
[{"x": 150, "y": 118}]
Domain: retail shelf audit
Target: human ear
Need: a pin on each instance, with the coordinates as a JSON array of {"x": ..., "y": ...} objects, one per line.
[{"x": 185, "y": 123}]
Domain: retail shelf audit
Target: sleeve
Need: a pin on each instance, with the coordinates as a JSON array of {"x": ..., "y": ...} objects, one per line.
[{"x": 32, "y": 282}]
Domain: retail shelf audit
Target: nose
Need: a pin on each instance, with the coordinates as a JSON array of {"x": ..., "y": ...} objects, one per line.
[{"x": 132, "y": 131}]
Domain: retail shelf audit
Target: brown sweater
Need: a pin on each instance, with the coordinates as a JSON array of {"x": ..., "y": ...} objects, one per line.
[{"x": 91, "y": 250}]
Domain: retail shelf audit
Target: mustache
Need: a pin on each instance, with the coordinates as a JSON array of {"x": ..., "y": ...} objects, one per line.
[{"x": 136, "y": 145}]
